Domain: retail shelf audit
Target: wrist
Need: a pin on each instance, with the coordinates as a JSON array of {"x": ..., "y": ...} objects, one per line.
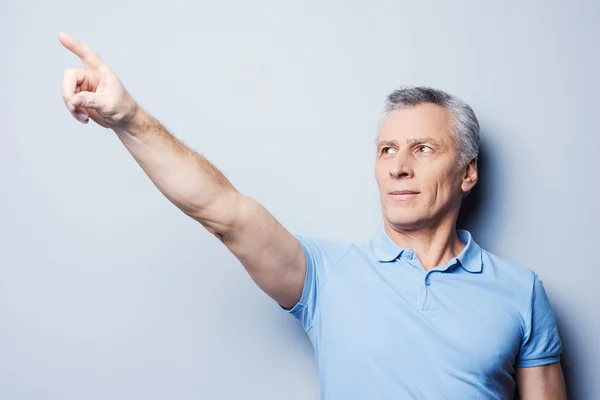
[{"x": 134, "y": 122}]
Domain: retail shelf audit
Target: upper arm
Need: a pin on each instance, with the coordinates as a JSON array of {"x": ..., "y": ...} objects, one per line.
[
  {"x": 544, "y": 382},
  {"x": 271, "y": 255},
  {"x": 541, "y": 343},
  {"x": 538, "y": 371}
]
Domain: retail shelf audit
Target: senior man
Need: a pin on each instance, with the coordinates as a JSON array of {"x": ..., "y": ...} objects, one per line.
[{"x": 419, "y": 312}]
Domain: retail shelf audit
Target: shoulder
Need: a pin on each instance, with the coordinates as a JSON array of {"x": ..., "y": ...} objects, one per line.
[
  {"x": 505, "y": 269},
  {"x": 322, "y": 250},
  {"x": 516, "y": 278}
]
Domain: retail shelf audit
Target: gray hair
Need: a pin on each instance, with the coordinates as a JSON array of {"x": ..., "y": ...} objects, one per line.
[{"x": 464, "y": 125}]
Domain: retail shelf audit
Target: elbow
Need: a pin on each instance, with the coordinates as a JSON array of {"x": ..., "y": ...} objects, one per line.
[{"x": 224, "y": 214}]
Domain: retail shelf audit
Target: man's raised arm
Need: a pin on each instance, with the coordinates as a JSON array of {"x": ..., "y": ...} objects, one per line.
[{"x": 271, "y": 255}]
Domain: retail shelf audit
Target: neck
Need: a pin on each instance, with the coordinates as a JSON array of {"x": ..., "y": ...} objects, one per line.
[{"x": 433, "y": 246}]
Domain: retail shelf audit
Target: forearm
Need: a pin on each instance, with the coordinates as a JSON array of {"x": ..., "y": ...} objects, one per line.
[{"x": 186, "y": 178}]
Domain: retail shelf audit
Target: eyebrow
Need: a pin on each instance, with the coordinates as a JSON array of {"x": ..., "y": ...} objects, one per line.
[
  {"x": 428, "y": 139},
  {"x": 382, "y": 143}
]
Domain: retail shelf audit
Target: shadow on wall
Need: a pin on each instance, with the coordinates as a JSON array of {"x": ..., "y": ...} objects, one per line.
[
  {"x": 483, "y": 204},
  {"x": 483, "y": 212},
  {"x": 568, "y": 360},
  {"x": 471, "y": 210}
]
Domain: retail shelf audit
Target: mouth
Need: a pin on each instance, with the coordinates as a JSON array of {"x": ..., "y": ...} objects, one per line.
[
  {"x": 400, "y": 192},
  {"x": 403, "y": 195}
]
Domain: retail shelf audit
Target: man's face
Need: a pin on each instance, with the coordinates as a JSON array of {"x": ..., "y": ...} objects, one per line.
[{"x": 417, "y": 168}]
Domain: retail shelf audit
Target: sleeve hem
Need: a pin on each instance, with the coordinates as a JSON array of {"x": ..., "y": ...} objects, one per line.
[
  {"x": 535, "y": 362},
  {"x": 292, "y": 310},
  {"x": 306, "y": 287}
]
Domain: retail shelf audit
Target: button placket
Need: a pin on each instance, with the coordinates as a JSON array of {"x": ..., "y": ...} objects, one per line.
[
  {"x": 430, "y": 302},
  {"x": 428, "y": 277}
]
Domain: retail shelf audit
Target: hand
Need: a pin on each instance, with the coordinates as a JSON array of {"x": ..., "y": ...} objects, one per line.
[{"x": 95, "y": 91}]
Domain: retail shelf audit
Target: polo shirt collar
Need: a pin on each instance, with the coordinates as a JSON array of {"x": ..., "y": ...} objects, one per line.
[
  {"x": 386, "y": 250},
  {"x": 471, "y": 256}
]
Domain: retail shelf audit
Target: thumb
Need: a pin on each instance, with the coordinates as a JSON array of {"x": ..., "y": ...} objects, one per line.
[{"x": 86, "y": 100}]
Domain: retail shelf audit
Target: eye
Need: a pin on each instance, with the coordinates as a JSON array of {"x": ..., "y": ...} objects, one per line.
[
  {"x": 425, "y": 149},
  {"x": 388, "y": 150}
]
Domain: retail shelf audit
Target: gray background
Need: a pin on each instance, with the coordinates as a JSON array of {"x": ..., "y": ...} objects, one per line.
[{"x": 108, "y": 291}]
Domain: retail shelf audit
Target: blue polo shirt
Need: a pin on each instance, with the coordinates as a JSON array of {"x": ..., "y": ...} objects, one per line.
[{"x": 384, "y": 328}]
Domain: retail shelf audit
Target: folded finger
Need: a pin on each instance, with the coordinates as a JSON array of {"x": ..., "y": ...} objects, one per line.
[{"x": 72, "y": 77}]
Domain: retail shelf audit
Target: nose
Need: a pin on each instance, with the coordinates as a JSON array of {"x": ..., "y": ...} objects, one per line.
[{"x": 400, "y": 168}]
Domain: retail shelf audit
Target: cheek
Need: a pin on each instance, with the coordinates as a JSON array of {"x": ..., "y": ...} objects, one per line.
[
  {"x": 381, "y": 175},
  {"x": 439, "y": 185},
  {"x": 448, "y": 184}
]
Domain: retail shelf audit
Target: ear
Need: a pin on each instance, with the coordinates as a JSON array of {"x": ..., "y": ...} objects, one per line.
[{"x": 470, "y": 176}]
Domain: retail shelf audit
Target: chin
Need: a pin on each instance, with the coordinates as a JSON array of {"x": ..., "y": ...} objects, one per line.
[{"x": 405, "y": 220}]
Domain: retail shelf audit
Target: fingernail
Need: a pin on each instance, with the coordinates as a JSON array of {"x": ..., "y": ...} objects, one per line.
[{"x": 81, "y": 117}]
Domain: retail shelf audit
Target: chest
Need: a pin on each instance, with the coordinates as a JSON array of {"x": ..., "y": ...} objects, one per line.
[{"x": 395, "y": 317}]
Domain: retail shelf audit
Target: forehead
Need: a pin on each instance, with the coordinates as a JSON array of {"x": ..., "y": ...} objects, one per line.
[{"x": 419, "y": 121}]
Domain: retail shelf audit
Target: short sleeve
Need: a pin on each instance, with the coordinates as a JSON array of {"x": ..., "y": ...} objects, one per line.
[
  {"x": 541, "y": 342},
  {"x": 321, "y": 258}
]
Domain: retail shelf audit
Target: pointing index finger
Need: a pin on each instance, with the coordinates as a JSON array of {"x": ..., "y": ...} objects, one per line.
[{"x": 87, "y": 55}]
